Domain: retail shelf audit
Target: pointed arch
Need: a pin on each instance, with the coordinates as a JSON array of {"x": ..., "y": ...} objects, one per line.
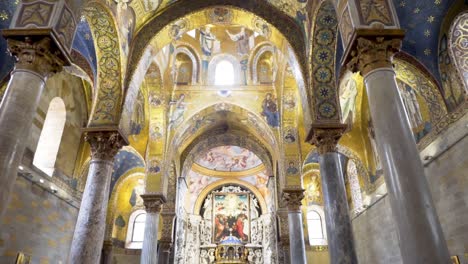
[
  {"x": 322, "y": 60},
  {"x": 108, "y": 96}
]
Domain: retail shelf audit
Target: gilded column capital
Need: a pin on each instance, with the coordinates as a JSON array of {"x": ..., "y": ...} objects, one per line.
[
  {"x": 38, "y": 56},
  {"x": 292, "y": 197},
  {"x": 326, "y": 137},
  {"x": 373, "y": 53},
  {"x": 104, "y": 144},
  {"x": 153, "y": 202}
]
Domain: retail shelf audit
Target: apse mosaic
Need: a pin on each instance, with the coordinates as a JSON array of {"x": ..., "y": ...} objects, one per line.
[{"x": 229, "y": 158}]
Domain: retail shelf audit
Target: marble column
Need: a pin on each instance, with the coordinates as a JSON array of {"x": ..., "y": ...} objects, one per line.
[
  {"x": 107, "y": 252},
  {"x": 91, "y": 222},
  {"x": 35, "y": 61},
  {"x": 293, "y": 198},
  {"x": 153, "y": 204},
  {"x": 165, "y": 242},
  {"x": 420, "y": 235},
  {"x": 164, "y": 253},
  {"x": 337, "y": 218}
]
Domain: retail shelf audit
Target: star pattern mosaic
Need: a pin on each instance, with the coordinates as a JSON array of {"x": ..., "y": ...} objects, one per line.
[
  {"x": 422, "y": 20},
  {"x": 125, "y": 161},
  {"x": 7, "y": 9}
]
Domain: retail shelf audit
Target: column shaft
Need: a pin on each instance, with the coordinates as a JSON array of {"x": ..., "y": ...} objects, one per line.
[
  {"x": 338, "y": 223},
  {"x": 164, "y": 252},
  {"x": 17, "y": 111},
  {"x": 420, "y": 235},
  {"x": 296, "y": 238},
  {"x": 35, "y": 61},
  {"x": 293, "y": 198},
  {"x": 149, "y": 252},
  {"x": 91, "y": 223},
  {"x": 153, "y": 203}
]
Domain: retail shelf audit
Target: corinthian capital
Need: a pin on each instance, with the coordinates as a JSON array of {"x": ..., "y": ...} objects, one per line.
[
  {"x": 104, "y": 144},
  {"x": 326, "y": 137},
  {"x": 35, "y": 55},
  {"x": 373, "y": 53},
  {"x": 153, "y": 202},
  {"x": 292, "y": 197}
]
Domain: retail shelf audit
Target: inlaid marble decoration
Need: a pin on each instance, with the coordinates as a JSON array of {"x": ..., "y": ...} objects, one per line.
[{"x": 371, "y": 11}]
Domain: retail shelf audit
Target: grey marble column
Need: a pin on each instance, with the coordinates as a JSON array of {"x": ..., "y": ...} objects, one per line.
[
  {"x": 293, "y": 198},
  {"x": 107, "y": 252},
  {"x": 35, "y": 63},
  {"x": 153, "y": 203},
  {"x": 164, "y": 252},
  {"x": 337, "y": 219},
  {"x": 91, "y": 222},
  {"x": 420, "y": 235}
]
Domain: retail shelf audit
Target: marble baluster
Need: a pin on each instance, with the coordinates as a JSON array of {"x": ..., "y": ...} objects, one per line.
[
  {"x": 420, "y": 235},
  {"x": 35, "y": 63},
  {"x": 293, "y": 198},
  {"x": 153, "y": 204},
  {"x": 91, "y": 222},
  {"x": 337, "y": 218}
]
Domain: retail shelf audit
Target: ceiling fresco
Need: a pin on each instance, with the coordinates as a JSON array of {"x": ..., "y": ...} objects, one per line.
[{"x": 228, "y": 158}]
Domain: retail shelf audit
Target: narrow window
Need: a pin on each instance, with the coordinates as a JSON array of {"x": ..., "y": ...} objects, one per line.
[
  {"x": 224, "y": 73},
  {"x": 51, "y": 136},
  {"x": 139, "y": 228},
  {"x": 314, "y": 224}
]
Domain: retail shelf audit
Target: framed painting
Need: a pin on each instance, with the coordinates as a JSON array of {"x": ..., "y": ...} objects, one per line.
[{"x": 231, "y": 216}]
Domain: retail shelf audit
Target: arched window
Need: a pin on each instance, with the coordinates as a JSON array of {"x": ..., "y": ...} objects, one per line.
[
  {"x": 51, "y": 136},
  {"x": 224, "y": 73},
  {"x": 136, "y": 229},
  {"x": 315, "y": 229},
  {"x": 354, "y": 185}
]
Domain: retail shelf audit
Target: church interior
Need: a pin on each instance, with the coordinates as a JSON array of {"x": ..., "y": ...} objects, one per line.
[{"x": 231, "y": 131}]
